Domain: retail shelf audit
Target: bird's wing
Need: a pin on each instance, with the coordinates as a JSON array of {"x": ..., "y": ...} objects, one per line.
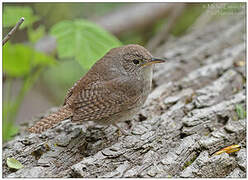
[{"x": 104, "y": 99}]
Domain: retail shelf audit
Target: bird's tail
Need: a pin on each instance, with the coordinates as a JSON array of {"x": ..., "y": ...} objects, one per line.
[{"x": 52, "y": 119}]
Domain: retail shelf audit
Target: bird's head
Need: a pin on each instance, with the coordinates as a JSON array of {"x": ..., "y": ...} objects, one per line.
[{"x": 134, "y": 58}]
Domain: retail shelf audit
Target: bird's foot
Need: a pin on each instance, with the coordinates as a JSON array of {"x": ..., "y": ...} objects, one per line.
[{"x": 122, "y": 131}]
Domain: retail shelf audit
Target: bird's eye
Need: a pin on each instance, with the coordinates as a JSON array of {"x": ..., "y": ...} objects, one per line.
[{"x": 136, "y": 61}]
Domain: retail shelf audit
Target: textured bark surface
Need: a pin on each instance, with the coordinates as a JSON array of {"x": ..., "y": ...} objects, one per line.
[{"x": 190, "y": 114}]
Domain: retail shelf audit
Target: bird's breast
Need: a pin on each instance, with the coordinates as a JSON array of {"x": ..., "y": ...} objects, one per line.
[
  {"x": 147, "y": 78},
  {"x": 146, "y": 81}
]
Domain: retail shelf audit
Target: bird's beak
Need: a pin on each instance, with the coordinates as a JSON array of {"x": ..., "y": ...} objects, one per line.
[{"x": 154, "y": 60}]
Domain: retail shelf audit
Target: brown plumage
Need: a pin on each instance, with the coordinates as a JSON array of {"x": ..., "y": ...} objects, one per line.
[
  {"x": 113, "y": 90},
  {"x": 48, "y": 122}
]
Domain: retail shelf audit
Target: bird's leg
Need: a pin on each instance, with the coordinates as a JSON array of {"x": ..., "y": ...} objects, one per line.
[{"x": 120, "y": 129}]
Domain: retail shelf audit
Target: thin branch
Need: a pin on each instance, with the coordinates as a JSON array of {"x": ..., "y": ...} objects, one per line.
[{"x": 8, "y": 36}]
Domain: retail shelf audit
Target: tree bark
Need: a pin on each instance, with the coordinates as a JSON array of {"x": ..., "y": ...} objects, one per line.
[{"x": 189, "y": 115}]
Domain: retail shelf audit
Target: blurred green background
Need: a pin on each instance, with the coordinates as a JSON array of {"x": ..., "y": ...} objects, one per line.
[{"x": 37, "y": 73}]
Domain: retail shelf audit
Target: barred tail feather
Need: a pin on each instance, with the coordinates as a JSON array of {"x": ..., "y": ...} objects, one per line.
[{"x": 52, "y": 119}]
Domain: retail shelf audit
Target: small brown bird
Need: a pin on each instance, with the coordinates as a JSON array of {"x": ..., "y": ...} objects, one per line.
[{"x": 113, "y": 90}]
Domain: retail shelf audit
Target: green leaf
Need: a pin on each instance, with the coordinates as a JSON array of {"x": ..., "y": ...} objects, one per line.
[
  {"x": 14, "y": 164},
  {"x": 18, "y": 59},
  {"x": 240, "y": 111},
  {"x": 82, "y": 40},
  {"x": 35, "y": 35},
  {"x": 9, "y": 128},
  {"x": 42, "y": 59},
  {"x": 12, "y": 14}
]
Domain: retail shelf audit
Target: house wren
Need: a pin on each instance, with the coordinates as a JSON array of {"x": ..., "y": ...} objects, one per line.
[{"x": 113, "y": 90}]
